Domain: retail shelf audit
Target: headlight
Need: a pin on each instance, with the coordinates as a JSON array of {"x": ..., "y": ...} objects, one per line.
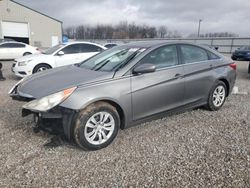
[
  {"x": 46, "y": 103},
  {"x": 23, "y": 63}
]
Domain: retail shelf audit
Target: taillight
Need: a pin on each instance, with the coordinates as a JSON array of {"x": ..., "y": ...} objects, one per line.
[{"x": 233, "y": 66}]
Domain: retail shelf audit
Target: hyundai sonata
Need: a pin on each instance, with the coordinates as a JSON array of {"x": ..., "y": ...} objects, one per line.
[{"x": 124, "y": 86}]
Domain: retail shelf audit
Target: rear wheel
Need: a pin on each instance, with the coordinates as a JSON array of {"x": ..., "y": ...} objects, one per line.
[
  {"x": 96, "y": 126},
  {"x": 217, "y": 96},
  {"x": 41, "y": 67}
]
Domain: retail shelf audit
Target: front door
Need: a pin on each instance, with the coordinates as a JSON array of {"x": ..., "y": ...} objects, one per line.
[
  {"x": 70, "y": 56},
  {"x": 161, "y": 90}
]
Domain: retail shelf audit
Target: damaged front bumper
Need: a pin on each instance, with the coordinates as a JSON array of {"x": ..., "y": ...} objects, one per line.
[{"x": 58, "y": 120}]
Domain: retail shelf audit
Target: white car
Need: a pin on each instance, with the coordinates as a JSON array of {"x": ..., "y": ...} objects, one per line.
[
  {"x": 12, "y": 50},
  {"x": 57, "y": 56}
]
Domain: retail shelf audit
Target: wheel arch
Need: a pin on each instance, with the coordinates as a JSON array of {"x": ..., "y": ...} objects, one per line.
[
  {"x": 226, "y": 82},
  {"x": 115, "y": 104},
  {"x": 27, "y": 52},
  {"x": 39, "y": 65}
]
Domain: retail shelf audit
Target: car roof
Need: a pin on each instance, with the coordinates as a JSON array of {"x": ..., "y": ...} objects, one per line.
[
  {"x": 83, "y": 42},
  {"x": 12, "y": 42},
  {"x": 155, "y": 43}
]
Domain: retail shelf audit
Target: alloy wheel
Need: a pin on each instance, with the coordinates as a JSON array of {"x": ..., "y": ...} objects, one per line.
[
  {"x": 99, "y": 128},
  {"x": 219, "y": 96}
]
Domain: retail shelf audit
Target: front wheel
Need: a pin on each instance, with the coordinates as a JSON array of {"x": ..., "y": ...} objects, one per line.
[
  {"x": 96, "y": 126},
  {"x": 41, "y": 67},
  {"x": 217, "y": 96}
]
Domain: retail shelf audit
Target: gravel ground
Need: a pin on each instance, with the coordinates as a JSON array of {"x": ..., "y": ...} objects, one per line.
[{"x": 197, "y": 148}]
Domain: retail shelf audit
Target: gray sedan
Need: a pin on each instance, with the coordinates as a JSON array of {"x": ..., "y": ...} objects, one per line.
[{"x": 124, "y": 86}]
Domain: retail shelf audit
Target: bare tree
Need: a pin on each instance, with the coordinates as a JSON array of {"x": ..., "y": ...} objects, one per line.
[
  {"x": 123, "y": 30},
  {"x": 162, "y": 31}
]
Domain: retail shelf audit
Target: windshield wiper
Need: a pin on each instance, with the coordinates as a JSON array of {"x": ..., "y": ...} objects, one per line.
[
  {"x": 119, "y": 66},
  {"x": 101, "y": 64}
]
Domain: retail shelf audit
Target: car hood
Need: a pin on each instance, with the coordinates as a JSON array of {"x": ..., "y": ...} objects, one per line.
[
  {"x": 32, "y": 57},
  {"x": 54, "y": 80}
]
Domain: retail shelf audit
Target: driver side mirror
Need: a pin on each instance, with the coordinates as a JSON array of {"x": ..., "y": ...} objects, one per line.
[
  {"x": 61, "y": 53},
  {"x": 144, "y": 68}
]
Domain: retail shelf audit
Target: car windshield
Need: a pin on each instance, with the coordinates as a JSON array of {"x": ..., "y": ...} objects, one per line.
[
  {"x": 53, "y": 49},
  {"x": 111, "y": 60}
]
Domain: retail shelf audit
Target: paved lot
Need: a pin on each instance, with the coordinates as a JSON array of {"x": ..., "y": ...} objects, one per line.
[{"x": 192, "y": 149}]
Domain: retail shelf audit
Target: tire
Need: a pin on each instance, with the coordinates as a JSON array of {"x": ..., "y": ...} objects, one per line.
[
  {"x": 27, "y": 53},
  {"x": 89, "y": 131},
  {"x": 234, "y": 58},
  {"x": 217, "y": 96},
  {"x": 41, "y": 67}
]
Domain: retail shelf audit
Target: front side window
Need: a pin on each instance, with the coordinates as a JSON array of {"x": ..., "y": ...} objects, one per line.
[
  {"x": 193, "y": 54},
  {"x": 53, "y": 49},
  {"x": 111, "y": 60},
  {"x": 72, "y": 49},
  {"x": 162, "y": 57}
]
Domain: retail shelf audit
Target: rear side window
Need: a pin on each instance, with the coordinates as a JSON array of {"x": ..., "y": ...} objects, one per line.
[
  {"x": 85, "y": 48},
  {"x": 193, "y": 54},
  {"x": 17, "y": 45},
  {"x": 212, "y": 56},
  {"x": 162, "y": 57}
]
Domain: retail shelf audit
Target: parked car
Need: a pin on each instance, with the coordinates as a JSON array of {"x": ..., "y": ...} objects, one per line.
[
  {"x": 124, "y": 86},
  {"x": 242, "y": 53},
  {"x": 110, "y": 45},
  {"x": 12, "y": 50},
  {"x": 57, "y": 56}
]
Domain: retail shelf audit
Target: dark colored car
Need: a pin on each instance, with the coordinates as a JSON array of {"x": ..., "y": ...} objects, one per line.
[
  {"x": 242, "y": 53},
  {"x": 124, "y": 86}
]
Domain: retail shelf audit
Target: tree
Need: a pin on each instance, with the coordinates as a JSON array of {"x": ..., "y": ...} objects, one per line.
[{"x": 162, "y": 31}]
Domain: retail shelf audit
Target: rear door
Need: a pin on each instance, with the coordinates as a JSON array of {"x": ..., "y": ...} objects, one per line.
[
  {"x": 161, "y": 90},
  {"x": 198, "y": 68}
]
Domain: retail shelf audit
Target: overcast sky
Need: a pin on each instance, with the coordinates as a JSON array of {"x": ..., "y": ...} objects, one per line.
[{"x": 182, "y": 15}]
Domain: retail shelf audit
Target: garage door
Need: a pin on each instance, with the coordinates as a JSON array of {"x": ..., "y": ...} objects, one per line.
[{"x": 14, "y": 29}]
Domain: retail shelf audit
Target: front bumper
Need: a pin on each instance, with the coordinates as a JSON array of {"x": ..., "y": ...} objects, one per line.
[
  {"x": 20, "y": 71},
  {"x": 58, "y": 120}
]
